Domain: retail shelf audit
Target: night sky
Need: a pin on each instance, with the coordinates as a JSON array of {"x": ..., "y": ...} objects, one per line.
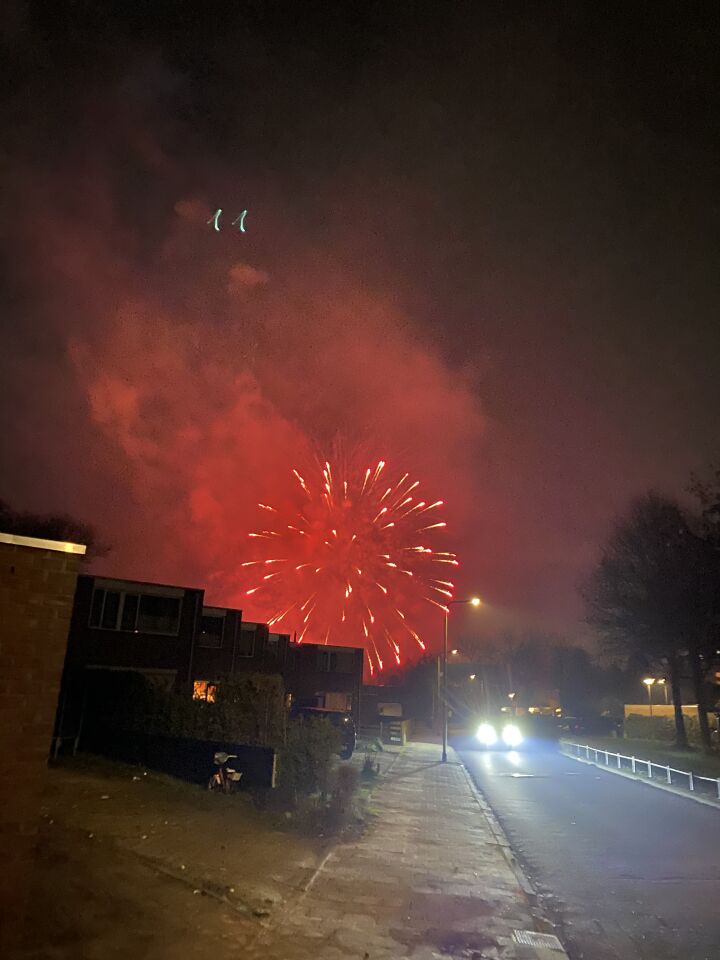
[{"x": 481, "y": 242}]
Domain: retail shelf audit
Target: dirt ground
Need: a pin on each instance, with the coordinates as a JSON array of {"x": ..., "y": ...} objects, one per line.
[{"x": 143, "y": 866}]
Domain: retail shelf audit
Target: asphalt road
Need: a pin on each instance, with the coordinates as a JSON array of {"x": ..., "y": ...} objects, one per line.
[{"x": 629, "y": 871}]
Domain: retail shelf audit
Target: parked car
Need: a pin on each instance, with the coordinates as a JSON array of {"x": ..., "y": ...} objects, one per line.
[{"x": 342, "y": 721}]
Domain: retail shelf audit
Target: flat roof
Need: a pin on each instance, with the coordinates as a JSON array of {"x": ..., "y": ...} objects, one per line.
[
  {"x": 120, "y": 581},
  {"x": 39, "y": 544},
  {"x": 328, "y": 646}
]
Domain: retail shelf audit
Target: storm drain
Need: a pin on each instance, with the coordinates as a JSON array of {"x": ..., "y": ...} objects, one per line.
[{"x": 529, "y": 938}]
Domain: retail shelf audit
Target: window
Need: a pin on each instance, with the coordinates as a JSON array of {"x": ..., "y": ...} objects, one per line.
[
  {"x": 98, "y": 599},
  {"x": 105, "y": 609},
  {"x": 111, "y": 609},
  {"x": 130, "y": 609},
  {"x": 275, "y": 643},
  {"x": 338, "y": 701},
  {"x": 327, "y": 661},
  {"x": 158, "y": 614},
  {"x": 336, "y": 661},
  {"x": 211, "y": 630},
  {"x": 135, "y": 612},
  {"x": 246, "y": 641},
  {"x": 204, "y": 690}
]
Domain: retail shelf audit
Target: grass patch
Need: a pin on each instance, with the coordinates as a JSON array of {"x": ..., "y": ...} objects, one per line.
[{"x": 701, "y": 764}]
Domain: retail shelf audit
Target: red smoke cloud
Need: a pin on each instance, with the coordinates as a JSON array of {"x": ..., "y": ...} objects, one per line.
[{"x": 204, "y": 383}]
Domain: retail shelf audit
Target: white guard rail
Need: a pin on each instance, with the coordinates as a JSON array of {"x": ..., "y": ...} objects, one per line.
[{"x": 638, "y": 766}]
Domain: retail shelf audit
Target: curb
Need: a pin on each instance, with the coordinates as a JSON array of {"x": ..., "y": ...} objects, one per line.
[
  {"x": 527, "y": 887},
  {"x": 674, "y": 791}
]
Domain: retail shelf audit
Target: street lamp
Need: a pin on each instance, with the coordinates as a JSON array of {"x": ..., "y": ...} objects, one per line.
[
  {"x": 663, "y": 683},
  {"x": 474, "y": 602},
  {"x": 649, "y": 681}
]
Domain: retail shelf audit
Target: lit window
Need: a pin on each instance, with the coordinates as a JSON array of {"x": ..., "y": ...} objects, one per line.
[{"x": 204, "y": 690}]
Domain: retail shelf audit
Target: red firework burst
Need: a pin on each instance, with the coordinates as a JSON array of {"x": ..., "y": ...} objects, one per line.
[{"x": 350, "y": 563}]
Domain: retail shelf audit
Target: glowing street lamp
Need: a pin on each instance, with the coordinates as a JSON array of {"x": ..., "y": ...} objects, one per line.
[
  {"x": 649, "y": 681},
  {"x": 474, "y": 602},
  {"x": 663, "y": 683}
]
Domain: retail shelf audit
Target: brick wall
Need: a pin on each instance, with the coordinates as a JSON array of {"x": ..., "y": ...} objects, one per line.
[{"x": 37, "y": 584}]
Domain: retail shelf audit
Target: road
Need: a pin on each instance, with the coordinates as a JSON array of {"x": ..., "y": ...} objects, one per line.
[{"x": 629, "y": 871}]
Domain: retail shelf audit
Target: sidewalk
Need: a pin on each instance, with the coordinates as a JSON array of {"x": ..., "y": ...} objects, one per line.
[{"x": 429, "y": 880}]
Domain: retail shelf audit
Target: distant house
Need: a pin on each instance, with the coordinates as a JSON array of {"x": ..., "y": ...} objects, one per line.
[
  {"x": 168, "y": 634},
  {"x": 324, "y": 676}
]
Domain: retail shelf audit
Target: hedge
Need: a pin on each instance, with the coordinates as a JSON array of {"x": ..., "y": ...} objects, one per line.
[{"x": 642, "y": 727}]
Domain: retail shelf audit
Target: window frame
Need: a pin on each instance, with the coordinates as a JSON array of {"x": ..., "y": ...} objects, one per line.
[
  {"x": 137, "y": 594},
  {"x": 253, "y": 634},
  {"x": 333, "y": 660},
  {"x": 221, "y": 638}
]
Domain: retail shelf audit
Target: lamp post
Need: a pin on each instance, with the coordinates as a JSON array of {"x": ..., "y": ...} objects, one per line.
[
  {"x": 475, "y": 602},
  {"x": 649, "y": 681},
  {"x": 663, "y": 683}
]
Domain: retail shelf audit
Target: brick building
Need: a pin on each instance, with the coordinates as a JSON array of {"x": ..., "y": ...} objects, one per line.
[{"x": 37, "y": 585}]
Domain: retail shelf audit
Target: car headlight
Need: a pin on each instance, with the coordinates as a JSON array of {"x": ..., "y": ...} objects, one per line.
[
  {"x": 487, "y": 735},
  {"x": 512, "y": 736}
]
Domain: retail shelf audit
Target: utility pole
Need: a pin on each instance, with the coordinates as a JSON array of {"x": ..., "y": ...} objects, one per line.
[
  {"x": 444, "y": 689},
  {"x": 475, "y": 602}
]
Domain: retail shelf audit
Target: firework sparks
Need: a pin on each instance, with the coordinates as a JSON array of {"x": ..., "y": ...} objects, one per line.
[{"x": 352, "y": 562}]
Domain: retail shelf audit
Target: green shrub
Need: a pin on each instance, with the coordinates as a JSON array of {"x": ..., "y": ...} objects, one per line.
[
  {"x": 247, "y": 709},
  {"x": 642, "y": 727},
  {"x": 305, "y": 759}
]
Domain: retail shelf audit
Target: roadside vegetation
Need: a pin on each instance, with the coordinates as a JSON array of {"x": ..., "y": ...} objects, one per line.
[{"x": 654, "y": 596}]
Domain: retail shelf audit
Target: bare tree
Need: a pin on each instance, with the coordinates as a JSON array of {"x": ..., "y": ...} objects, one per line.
[
  {"x": 649, "y": 593},
  {"x": 50, "y": 527}
]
